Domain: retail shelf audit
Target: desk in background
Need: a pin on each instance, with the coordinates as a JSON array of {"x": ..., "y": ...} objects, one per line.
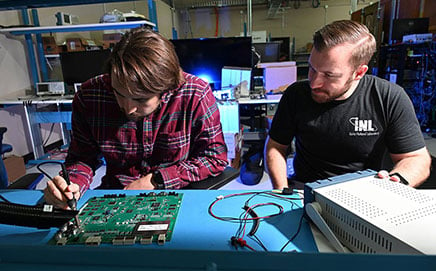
[
  {"x": 256, "y": 115},
  {"x": 44, "y": 110}
]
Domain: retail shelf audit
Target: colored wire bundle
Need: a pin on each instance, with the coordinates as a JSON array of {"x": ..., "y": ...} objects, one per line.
[{"x": 249, "y": 215}]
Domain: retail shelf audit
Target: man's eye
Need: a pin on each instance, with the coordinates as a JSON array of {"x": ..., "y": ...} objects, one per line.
[{"x": 332, "y": 76}]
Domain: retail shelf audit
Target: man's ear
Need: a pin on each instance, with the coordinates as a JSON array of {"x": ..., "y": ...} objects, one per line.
[{"x": 360, "y": 72}]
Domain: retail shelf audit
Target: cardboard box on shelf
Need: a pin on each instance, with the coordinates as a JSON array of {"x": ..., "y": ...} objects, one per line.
[
  {"x": 79, "y": 44},
  {"x": 236, "y": 162},
  {"x": 14, "y": 167},
  {"x": 49, "y": 45},
  {"x": 110, "y": 39}
]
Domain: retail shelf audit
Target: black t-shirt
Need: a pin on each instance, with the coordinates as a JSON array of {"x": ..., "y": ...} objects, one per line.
[{"x": 349, "y": 135}]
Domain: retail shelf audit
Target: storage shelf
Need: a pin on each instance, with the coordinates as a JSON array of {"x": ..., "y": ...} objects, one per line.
[
  {"x": 24, "y": 4},
  {"x": 75, "y": 28}
]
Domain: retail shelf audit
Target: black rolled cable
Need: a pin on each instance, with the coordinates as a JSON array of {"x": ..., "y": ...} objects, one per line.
[{"x": 256, "y": 221}]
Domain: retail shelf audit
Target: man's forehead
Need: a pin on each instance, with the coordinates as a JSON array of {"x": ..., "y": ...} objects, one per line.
[{"x": 332, "y": 60}]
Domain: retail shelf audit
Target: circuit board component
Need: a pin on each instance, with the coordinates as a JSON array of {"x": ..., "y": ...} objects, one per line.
[{"x": 123, "y": 220}]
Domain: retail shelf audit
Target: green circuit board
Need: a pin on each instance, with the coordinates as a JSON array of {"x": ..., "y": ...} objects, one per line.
[{"x": 123, "y": 220}]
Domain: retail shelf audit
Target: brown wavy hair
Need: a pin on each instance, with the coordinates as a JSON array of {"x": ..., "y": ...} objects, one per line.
[
  {"x": 347, "y": 31},
  {"x": 145, "y": 59}
]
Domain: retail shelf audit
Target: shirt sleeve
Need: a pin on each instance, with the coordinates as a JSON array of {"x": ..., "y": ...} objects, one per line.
[
  {"x": 83, "y": 153},
  {"x": 282, "y": 126},
  {"x": 208, "y": 153},
  {"x": 404, "y": 131}
]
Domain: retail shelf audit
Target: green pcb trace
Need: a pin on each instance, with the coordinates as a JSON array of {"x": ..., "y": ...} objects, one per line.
[{"x": 123, "y": 220}]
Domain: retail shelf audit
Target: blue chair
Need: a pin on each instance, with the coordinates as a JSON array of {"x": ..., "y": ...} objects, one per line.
[
  {"x": 4, "y": 149},
  {"x": 28, "y": 181}
]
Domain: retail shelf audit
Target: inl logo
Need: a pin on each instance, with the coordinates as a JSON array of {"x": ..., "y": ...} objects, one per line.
[{"x": 362, "y": 125}]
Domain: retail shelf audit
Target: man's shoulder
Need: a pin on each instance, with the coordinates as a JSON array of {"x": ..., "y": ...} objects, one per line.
[
  {"x": 298, "y": 89},
  {"x": 381, "y": 87},
  {"x": 301, "y": 85},
  {"x": 98, "y": 83},
  {"x": 193, "y": 85},
  {"x": 193, "y": 81},
  {"x": 95, "y": 89},
  {"x": 381, "y": 83}
]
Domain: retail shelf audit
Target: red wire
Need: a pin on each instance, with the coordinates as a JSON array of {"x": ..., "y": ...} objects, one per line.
[
  {"x": 243, "y": 243},
  {"x": 248, "y": 193},
  {"x": 245, "y": 218}
]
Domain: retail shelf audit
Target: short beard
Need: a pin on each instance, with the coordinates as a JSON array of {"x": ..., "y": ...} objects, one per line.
[{"x": 347, "y": 87}]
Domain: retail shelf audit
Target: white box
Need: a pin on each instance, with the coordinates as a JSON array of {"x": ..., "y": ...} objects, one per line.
[
  {"x": 234, "y": 143},
  {"x": 278, "y": 76}
]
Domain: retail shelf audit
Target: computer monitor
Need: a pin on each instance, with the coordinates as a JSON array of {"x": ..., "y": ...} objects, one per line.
[
  {"x": 238, "y": 79},
  {"x": 285, "y": 48},
  {"x": 402, "y": 27},
  {"x": 206, "y": 57},
  {"x": 268, "y": 51},
  {"x": 233, "y": 76},
  {"x": 77, "y": 67}
]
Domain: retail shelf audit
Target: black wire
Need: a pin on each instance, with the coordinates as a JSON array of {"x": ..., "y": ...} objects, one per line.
[
  {"x": 49, "y": 135},
  {"x": 243, "y": 221},
  {"x": 5, "y": 199},
  {"x": 257, "y": 240},
  {"x": 48, "y": 162},
  {"x": 236, "y": 219},
  {"x": 295, "y": 234}
]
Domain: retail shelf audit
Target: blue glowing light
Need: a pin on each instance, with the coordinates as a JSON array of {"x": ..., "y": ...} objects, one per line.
[{"x": 206, "y": 77}]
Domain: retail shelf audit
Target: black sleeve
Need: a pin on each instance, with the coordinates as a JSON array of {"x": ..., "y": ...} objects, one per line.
[
  {"x": 404, "y": 132},
  {"x": 282, "y": 128}
]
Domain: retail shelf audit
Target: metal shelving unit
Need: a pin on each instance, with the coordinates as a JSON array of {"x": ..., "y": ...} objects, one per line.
[
  {"x": 75, "y": 28},
  {"x": 36, "y": 54},
  {"x": 38, "y": 30}
]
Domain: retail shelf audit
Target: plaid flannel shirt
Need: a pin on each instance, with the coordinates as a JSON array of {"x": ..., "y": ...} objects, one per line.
[{"x": 182, "y": 139}]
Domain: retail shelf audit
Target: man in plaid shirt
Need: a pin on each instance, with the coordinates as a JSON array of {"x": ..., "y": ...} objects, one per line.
[{"x": 156, "y": 126}]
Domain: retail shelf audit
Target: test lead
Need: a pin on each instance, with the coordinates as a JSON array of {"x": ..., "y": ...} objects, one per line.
[{"x": 72, "y": 203}]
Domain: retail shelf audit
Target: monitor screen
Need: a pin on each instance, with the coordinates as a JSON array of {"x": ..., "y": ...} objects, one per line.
[
  {"x": 77, "y": 67},
  {"x": 402, "y": 27},
  {"x": 268, "y": 51},
  {"x": 233, "y": 76},
  {"x": 285, "y": 48},
  {"x": 205, "y": 58}
]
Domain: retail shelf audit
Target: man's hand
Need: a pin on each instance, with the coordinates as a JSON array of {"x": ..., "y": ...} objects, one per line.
[
  {"x": 143, "y": 183},
  {"x": 58, "y": 192},
  {"x": 413, "y": 166},
  {"x": 394, "y": 177}
]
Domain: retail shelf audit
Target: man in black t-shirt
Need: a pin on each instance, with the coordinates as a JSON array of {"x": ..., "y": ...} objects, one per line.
[{"x": 343, "y": 120}]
